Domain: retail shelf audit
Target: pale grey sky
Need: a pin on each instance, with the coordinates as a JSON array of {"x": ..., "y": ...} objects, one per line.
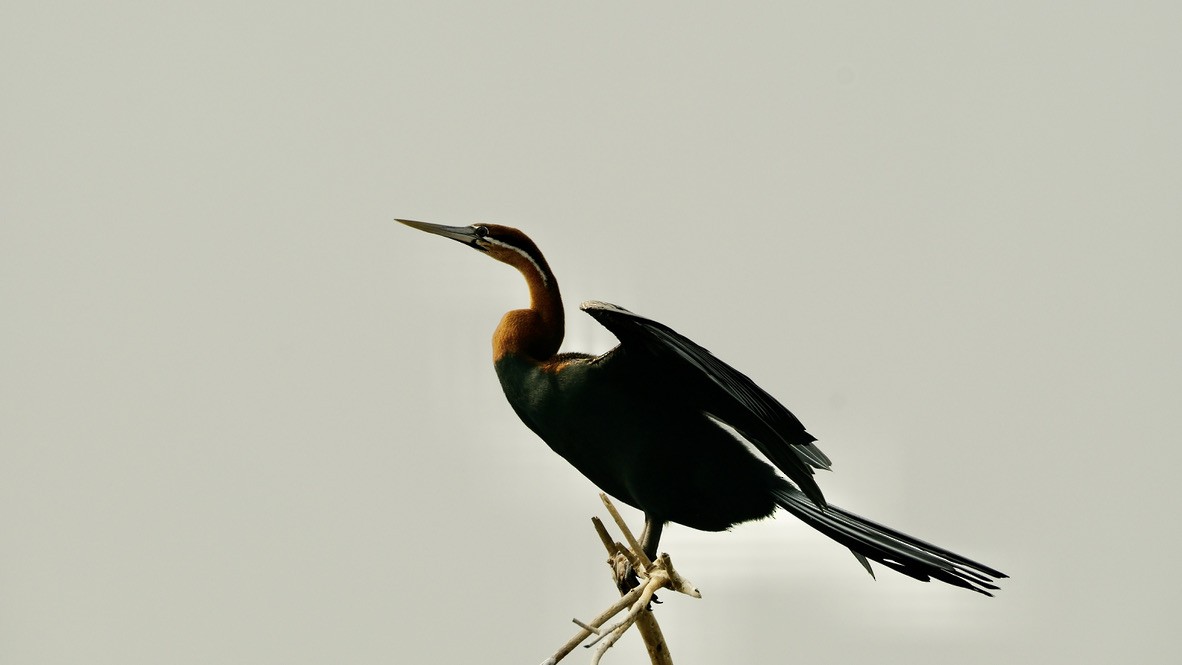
[{"x": 249, "y": 419}]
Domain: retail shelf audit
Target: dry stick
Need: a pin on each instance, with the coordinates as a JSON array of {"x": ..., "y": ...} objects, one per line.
[
  {"x": 598, "y": 621},
  {"x": 611, "y": 508},
  {"x": 660, "y": 575},
  {"x": 610, "y": 545},
  {"x": 627, "y": 599},
  {"x": 584, "y": 626},
  {"x": 646, "y": 622},
  {"x": 635, "y": 613}
]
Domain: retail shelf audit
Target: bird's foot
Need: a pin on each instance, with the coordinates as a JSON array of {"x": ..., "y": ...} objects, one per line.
[{"x": 625, "y": 576}]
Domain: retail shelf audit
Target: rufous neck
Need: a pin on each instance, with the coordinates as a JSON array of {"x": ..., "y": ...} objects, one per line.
[{"x": 536, "y": 332}]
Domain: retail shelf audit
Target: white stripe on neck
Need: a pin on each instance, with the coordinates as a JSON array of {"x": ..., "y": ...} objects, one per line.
[{"x": 541, "y": 273}]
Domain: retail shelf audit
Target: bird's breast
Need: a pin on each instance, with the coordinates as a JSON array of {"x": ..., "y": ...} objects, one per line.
[{"x": 582, "y": 412}]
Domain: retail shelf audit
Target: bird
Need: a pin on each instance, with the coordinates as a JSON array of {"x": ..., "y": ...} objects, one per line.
[{"x": 659, "y": 423}]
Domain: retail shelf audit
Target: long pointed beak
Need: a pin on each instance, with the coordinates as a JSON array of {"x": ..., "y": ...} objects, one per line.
[{"x": 464, "y": 234}]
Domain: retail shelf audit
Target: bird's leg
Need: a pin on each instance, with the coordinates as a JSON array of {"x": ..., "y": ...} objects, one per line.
[{"x": 651, "y": 536}]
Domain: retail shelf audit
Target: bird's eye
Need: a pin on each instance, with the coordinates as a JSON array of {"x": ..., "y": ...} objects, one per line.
[{"x": 481, "y": 231}]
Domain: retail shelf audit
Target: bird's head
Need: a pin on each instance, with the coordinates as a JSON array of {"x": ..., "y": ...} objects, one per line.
[{"x": 503, "y": 243}]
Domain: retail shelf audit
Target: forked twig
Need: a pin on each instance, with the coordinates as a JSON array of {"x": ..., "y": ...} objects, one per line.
[{"x": 656, "y": 575}]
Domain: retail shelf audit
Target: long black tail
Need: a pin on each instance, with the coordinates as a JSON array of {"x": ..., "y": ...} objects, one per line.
[{"x": 870, "y": 540}]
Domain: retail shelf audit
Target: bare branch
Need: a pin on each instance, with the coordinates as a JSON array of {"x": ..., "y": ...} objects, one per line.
[
  {"x": 658, "y": 574},
  {"x": 598, "y": 621}
]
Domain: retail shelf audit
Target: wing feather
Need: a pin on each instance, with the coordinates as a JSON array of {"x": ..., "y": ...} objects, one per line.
[{"x": 721, "y": 391}]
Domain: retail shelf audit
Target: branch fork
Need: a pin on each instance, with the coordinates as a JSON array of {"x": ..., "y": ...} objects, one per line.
[{"x": 653, "y": 575}]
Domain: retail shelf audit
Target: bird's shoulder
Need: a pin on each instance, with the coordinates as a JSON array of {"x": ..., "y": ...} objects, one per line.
[{"x": 565, "y": 361}]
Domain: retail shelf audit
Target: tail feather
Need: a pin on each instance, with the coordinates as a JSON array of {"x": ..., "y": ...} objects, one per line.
[{"x": 893, "y": 549}]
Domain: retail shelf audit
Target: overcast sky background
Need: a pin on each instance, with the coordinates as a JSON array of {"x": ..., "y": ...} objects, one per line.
[{"x": 249, "y": 419}]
